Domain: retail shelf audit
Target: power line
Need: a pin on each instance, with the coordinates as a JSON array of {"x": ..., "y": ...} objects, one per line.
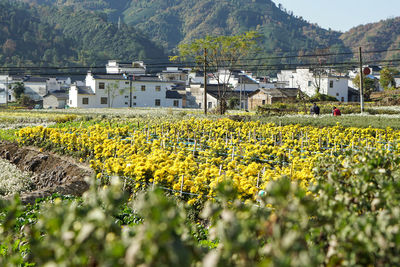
[
  {"x": 183, "y": 63},
  {"x": 194, "y": 64}
]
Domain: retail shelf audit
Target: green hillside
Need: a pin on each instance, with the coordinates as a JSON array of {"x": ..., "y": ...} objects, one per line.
[
  {"x": 87, "y": 24},
  {"x": 172, "y": 21},
  {"x": 46, "y": 35}
]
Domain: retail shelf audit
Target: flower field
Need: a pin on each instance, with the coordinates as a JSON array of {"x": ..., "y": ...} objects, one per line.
[
  {"x": 12, "y": 180},
  {"x": 191, "y": 157},
  {"x": 222, "y": 192}
]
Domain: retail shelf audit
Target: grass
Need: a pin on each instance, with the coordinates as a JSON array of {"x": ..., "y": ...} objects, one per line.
[
  {"x": 10, "y": 120},
  {"x": 353, "y": 120},
  {"x": 8, "y": 135}
]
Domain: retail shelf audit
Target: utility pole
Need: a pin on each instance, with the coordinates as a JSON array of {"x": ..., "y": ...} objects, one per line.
[
  {"x": 205, "y": 81},
  {"x": 130, "y": 91},
  {"x": 361, "y": 82},
  {"x": 240, "y": 94},
  {"x": 6, "y": 91}
]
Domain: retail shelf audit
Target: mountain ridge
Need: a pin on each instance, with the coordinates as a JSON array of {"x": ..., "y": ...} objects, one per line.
[{"x": 171, "y": 22}]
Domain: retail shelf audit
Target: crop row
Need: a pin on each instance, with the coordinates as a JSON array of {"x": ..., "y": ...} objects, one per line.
[{"x": 194, "y": 156}]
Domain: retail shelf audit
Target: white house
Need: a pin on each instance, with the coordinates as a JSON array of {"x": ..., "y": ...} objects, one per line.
[
  {"x": 35, "y": 87},
  {"x": 174, "y": 74},
  {"x": 55, "y": 99},
  {"x": 374, "y": 75},
  {"x": 308, "y": 81},
  {"x": 6, "y": 81},
  {"x": 136, "y": 67},
  {"x": 113, "y": 90},
  {"x": 238, "y": 80},
  {"x": 195, "y": 96},
  {"x": 195, "y": 77}
]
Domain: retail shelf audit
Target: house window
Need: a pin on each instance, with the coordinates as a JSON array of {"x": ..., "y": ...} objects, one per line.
[
  {"x": 157, "y": 102},
  {"x": 309, "y": 83},
  {"x": 103, "y": 100},
  {"x": 158, "y": 88},
  {"x": 102, "y": 85},
  {"x": 126, "y": 103},
  {"x": 126, "y": 96},
  {"x": 126, "y": 82},
  {"x": 134, "y": 103},
  {"x": 263, "y": 102},
  {"x": 70, "y": 102},
  {"x": 85, "y": 101},
  {"x": 330, "y": 84},
  {"x": 209, "y": 104},
  {"x": 143, "y": 88},
  {"x": 134, "y": 97},
  {"x": 176, "y": 103},
  {"x": 9, "y": 97},
  {"x": 342, "y": 99},
  {"x": 337, "y": 94}
]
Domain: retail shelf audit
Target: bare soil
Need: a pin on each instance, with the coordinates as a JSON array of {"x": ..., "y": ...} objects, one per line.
[{"x": 51, "y": 173}]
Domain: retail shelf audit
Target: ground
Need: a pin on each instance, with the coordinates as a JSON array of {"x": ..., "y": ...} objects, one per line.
[{"x": 50, "y": 173}]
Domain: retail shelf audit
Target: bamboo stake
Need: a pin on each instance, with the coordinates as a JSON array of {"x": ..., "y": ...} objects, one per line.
[{"x": 182, "y": 185}]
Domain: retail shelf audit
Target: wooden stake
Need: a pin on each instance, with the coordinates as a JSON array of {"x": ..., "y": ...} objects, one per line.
[{"x": 182, "y": 184}]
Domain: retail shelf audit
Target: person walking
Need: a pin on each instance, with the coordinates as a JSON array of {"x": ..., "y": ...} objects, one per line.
[
  {"x": 314, "y": 109},
  {"x": 336, "y": 111}
]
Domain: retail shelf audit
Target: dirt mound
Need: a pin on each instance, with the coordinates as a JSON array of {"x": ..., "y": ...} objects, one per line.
[{"x": 51, "y": 173}]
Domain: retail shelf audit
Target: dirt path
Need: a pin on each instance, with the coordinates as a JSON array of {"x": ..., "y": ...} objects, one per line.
[{"x": 51, "y": 173}]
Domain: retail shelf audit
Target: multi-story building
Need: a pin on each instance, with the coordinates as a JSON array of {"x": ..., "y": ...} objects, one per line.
[
  {"x": 118, "y": 90},
  {"x": 311, "y": 82}
]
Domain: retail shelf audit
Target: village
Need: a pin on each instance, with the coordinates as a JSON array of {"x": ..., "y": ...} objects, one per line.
[{"x": 130, "y": 85}]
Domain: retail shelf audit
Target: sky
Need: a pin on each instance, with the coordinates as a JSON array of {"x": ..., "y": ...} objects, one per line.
[{"x": 342, "y": 15}]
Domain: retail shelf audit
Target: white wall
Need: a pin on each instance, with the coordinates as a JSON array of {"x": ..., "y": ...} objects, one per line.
[
  {"x": 339, "y": 88},
  {"x": 305, "y": 80},
  {"x": 225, "y": 77},
  {"x": 4, "y": 79},
  {"x": 197, "y": 92},
  {"x": 118, "y": 98},
  {"x": 35, "y": 91}
]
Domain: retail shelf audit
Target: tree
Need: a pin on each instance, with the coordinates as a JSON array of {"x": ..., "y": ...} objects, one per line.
[
  {"x": 19, "y": 90},
  {"x": 233, "y": 102},
  {"x": 369, "y": 85},
  {"x": 387, "y": 78},
  {"x": 9, "y": 47},
  {"x": 223, "y": 53},
  {"x": 112, "y": 90}
]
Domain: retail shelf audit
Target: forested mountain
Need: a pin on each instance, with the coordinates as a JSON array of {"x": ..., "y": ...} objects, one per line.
[
  {"x": 49, "y": 35},
  {"x": 383, "y": 35},
  {"x": 170, "y": 22},
  {"x": 25, "y": 39},
  {"x": 89, "y": 28}
]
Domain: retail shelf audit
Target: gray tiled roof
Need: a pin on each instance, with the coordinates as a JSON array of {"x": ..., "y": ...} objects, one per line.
[
  {"x": 85, "y": 90},
  {"x": 171, "y": 94},
  {"x": 144, "y": 78},
  {"x": 278, "y": 92},
  {"x": 60, "y": 94},
  {"x": 35, "y": 79},
  {"x": 109, "y": 76}
]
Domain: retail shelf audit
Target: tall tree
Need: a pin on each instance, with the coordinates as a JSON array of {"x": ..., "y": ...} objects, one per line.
[
  {"x": 387, "y": 78},
  {"x": 113, "y": 90},
  {"x": 223, "y": 53},
  {"x": 19, "y": 90},
  {"x": 369, "y": 85}
]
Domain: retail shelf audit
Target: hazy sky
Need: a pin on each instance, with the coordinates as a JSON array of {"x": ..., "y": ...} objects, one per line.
[{"x": 342, "y": 15}]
